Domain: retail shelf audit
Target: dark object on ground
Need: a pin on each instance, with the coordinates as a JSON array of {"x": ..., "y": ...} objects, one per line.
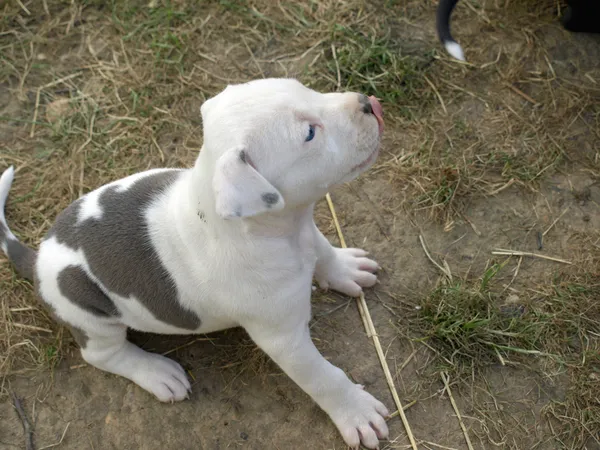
[
  {"x": 26, "y": 425},
  {"x": 581, "y": 16}
]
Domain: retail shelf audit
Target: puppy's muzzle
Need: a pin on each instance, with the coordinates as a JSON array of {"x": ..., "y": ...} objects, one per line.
[{"x": 370, "y": 105}]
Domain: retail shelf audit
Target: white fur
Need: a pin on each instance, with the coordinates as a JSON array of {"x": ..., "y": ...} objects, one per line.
[
  {"x": 256, "y": 270},
  {"x": 5, "y": 183},
  {"x": 90, "y": 206},
  {"x": 455, "y": 50}
]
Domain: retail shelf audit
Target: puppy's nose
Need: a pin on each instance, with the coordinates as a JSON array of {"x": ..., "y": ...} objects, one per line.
[
  {"x": 365, "y": 104},
  {"x": 370, "y": 105}
]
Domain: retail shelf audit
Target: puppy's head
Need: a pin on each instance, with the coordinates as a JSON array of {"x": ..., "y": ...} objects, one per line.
[{"x": 277, "y": 143}]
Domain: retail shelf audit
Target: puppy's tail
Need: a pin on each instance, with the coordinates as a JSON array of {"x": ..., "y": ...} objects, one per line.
[
  {"x": 20, "y": 255},
  {"x": 444, "y": 11}
]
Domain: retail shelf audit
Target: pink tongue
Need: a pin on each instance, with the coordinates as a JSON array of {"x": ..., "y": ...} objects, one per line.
[{"x": 377, "y": 108}]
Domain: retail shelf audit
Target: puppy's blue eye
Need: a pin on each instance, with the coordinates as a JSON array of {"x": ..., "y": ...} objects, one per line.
[{"x": 311, "y": 133}]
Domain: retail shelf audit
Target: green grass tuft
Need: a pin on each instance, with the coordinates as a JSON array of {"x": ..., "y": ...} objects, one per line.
[
  {"x": 373, "y": 65},
  {"x": 470, "y": 325}
]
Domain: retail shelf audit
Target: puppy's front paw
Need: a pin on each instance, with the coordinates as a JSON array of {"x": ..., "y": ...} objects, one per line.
[
  {"x": 360, "y": 418},
  {"x": 348, "y": 272}
]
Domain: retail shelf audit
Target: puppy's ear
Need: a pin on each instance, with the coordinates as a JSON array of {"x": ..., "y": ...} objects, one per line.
[{"x": 240, "y": 191}]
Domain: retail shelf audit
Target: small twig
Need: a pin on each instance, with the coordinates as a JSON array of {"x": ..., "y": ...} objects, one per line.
[
  {"x": 491, "y": 63},
  {"x": 519, "y": 350},
  {"x": 331, "y": 311},
  {"x": 59, "y": 442},
  {"x": 556, "y": 220},
  {"x": 481, "y": 14},
  {"x": 335, "y": 220},
  {"x": 500, "y": 357},
  {"x": 35, "y": 112},
  {"x": 23, "y": 7},
  {"x": 337, "y": 66},
  {"x": 437, "y": 445},
  {"x": 256, "y": 63},
  {"x": 514, "y": 275},
  {"x": 437, "y": 94},
  {"x": 407, "y": 360},
  {"x": 522, "y": 94},
  {"x": 444, "y": 270},
  {"x": 214, "y": 75},
  {"x": 501, "y": 188},
  {"x": 162, "y": 155},
  {"x": 82, "y": 147},
  {"x": 500, "y": 251},
  {"x": 77, "y": 366},
  {"x": 477, "y": 232},
  {"x": 457, "y": 412},
  {"x": 26, "y": 308},
  {"x": 30, "y": 327},
  {"x": 81, "y": 176},
  {"x": 343, "y": 244},
  {"x": 187, "y": 344},
  {"x": 370, "y": 329},
  {"x": 405, "y": 408},
  {"x": 37, "y": 97},
  {"x": 26, "y": 425}
]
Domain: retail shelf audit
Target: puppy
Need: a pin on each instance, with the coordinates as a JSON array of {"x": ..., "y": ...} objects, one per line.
[
  {"x": 230, "y": 242},
  {"x": 580, "y": 16}
]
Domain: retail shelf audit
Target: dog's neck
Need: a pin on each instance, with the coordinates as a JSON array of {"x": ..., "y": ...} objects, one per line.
[{"x": 286, "y": 222}]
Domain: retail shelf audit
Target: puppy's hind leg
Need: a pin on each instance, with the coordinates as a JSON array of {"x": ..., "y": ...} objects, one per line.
[
  {"x": 96, "y": 324},
  {"x": 107, "y": 348}
]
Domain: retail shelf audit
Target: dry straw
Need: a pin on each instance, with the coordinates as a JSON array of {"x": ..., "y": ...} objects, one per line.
[
  {"x": 370, "y": 329},
  {"x": 505, "y": 252},
  {"x": 457, "y": 412}
]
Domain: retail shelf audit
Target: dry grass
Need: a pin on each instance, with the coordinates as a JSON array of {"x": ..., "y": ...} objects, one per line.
[
  {"x": 470, "y": 331},
  {"x": 94, "y": 90},
  {"x": 470, "y": 325}
]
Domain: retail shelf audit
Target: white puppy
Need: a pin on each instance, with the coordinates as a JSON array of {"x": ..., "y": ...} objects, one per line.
[{"x": 230, "y": 242}]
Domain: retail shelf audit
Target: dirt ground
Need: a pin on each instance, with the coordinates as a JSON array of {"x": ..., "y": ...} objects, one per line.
[{"x": 502, "y": 152}]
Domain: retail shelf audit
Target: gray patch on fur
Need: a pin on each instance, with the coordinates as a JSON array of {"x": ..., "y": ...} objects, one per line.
[
  {"x": 243, "y": 157},
  {"x": 119, "y": 251},
  {"x": 78, "y": 334},
  {"x": 270, "y": 198},
  {"x": 75, "y": 284},
  {"x": 22, "y": 257}
]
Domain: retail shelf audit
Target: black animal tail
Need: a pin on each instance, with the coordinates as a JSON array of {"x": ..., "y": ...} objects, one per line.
[
  {"x": 444, "y": 11},
  {"x": 20, "y": 255}
]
